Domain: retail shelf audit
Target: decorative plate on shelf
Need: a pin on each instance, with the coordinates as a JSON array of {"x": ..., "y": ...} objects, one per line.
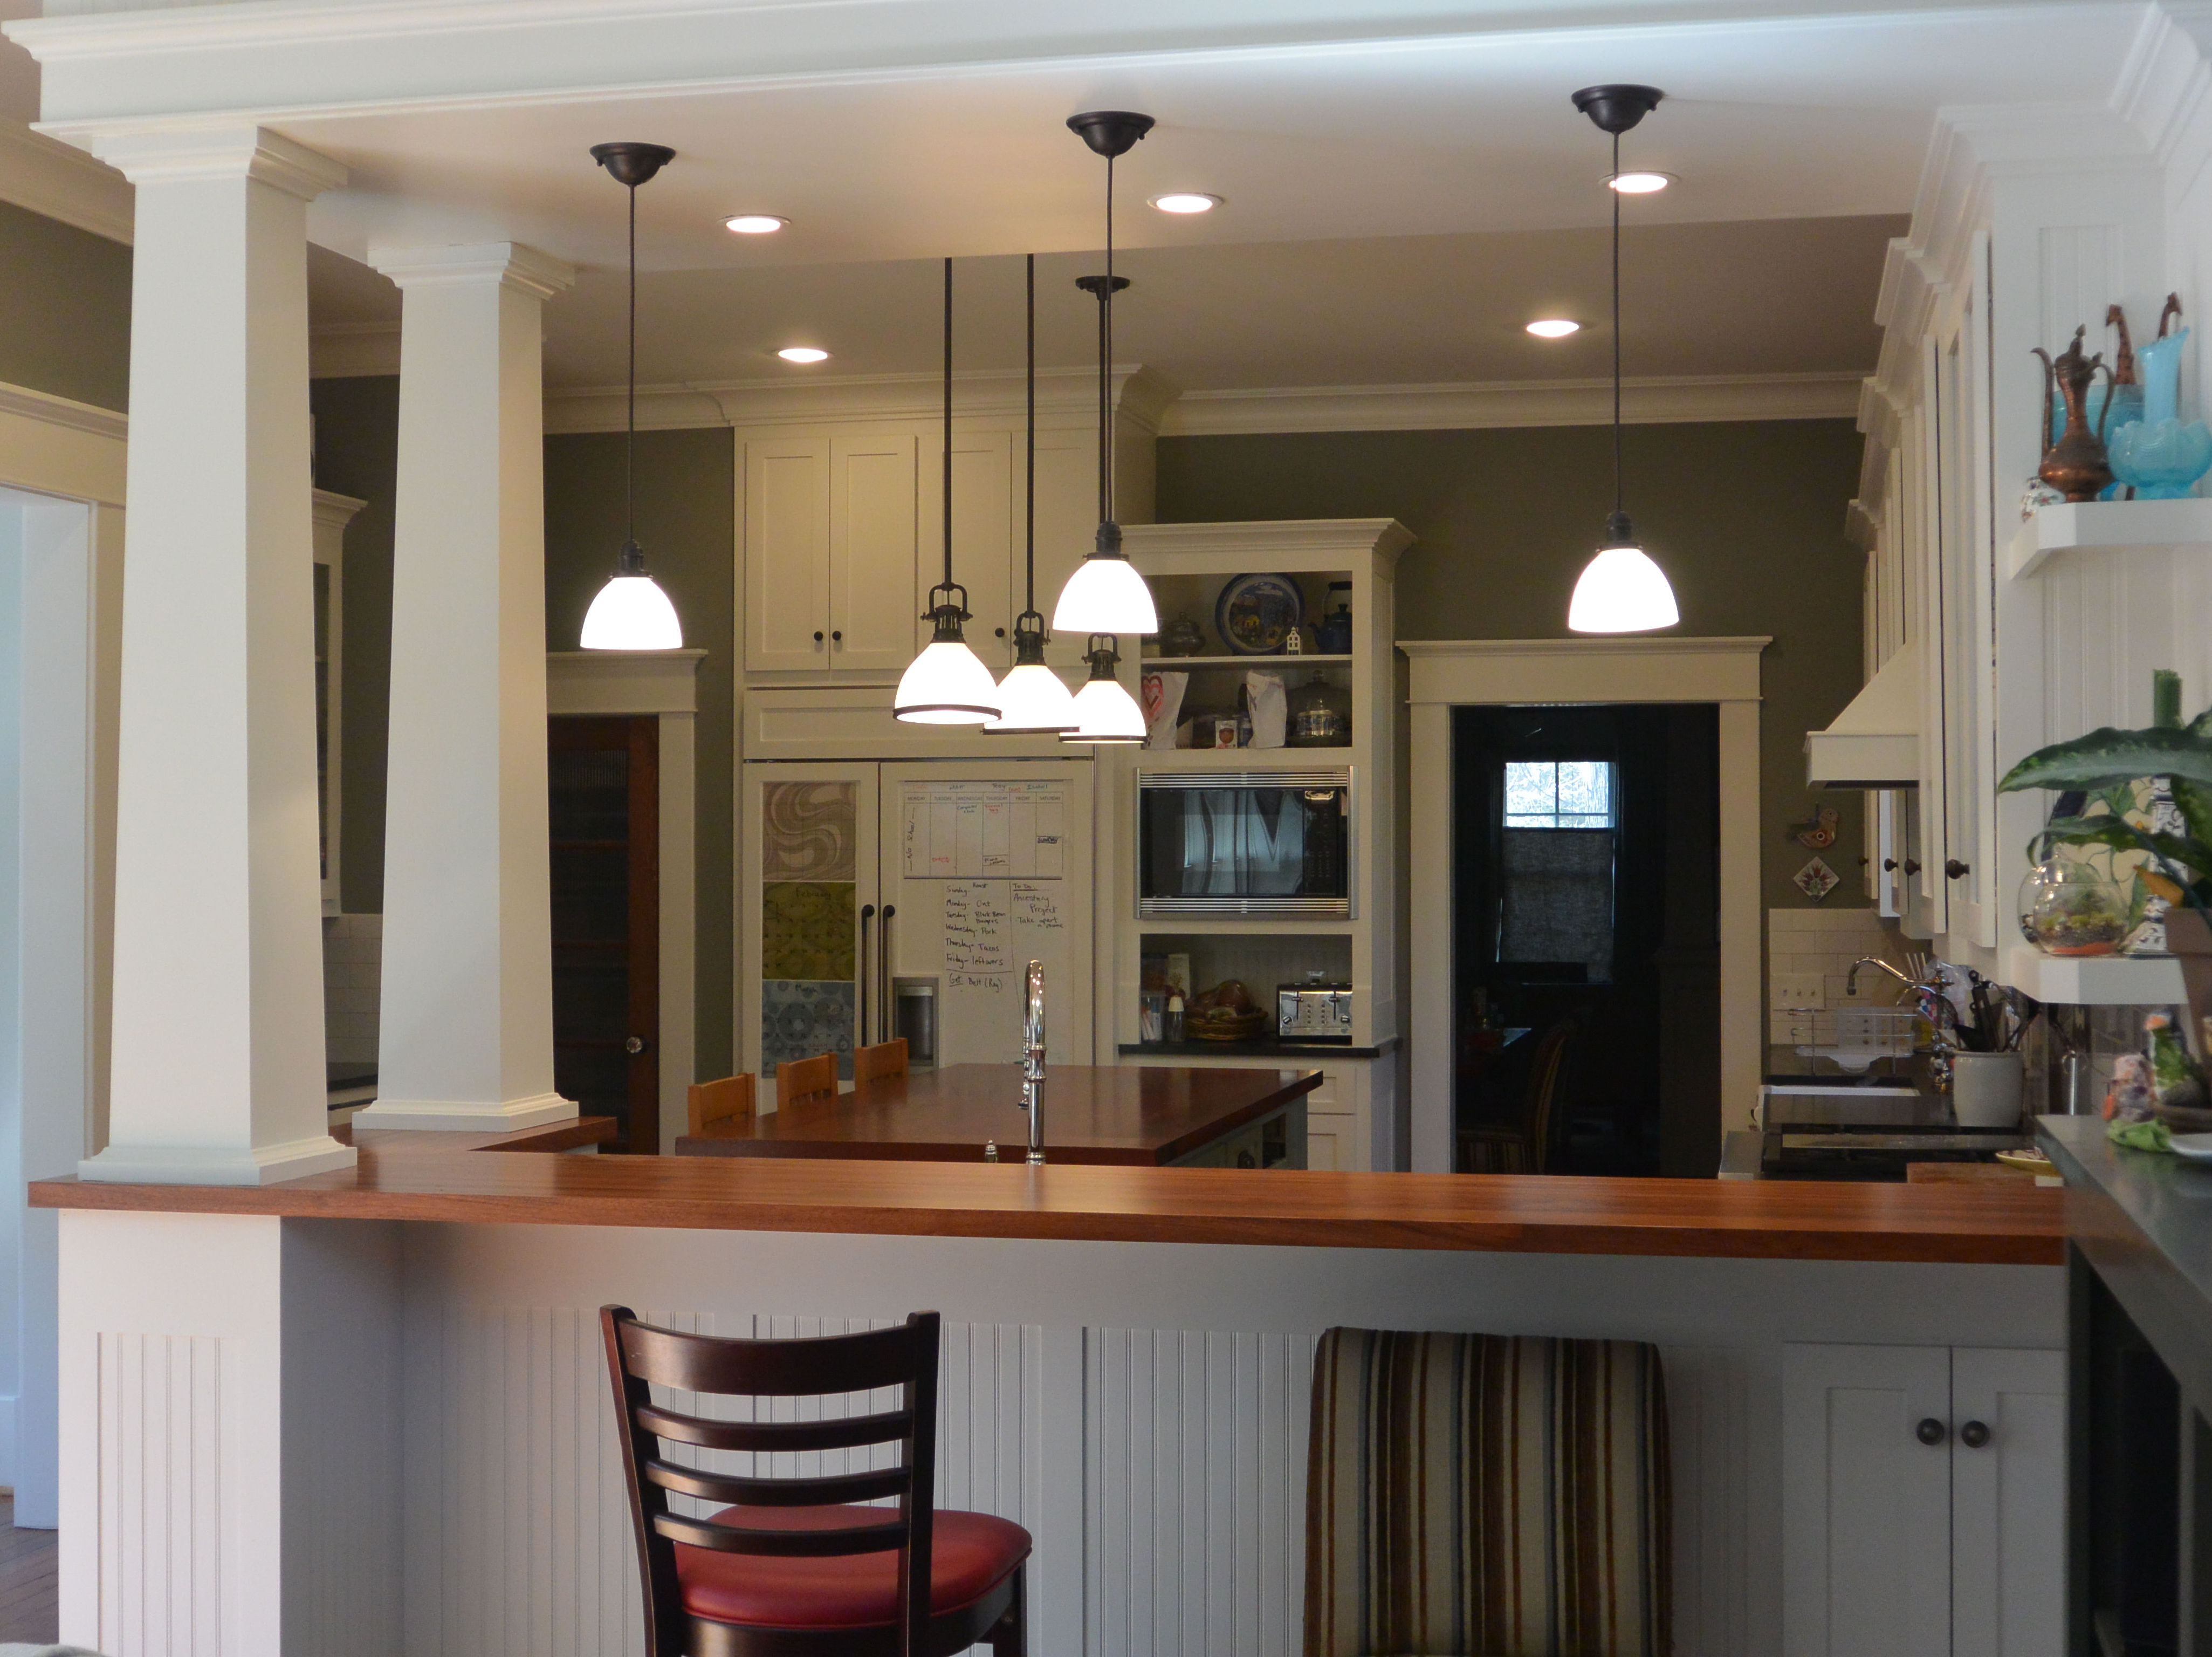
[{"x": 1256, "y": 613}]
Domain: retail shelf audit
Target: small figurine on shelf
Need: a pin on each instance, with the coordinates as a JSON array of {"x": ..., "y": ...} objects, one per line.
[
  {"x": 1332, "y": 633},
  {"x": 2131, "y": 1095},
  {"x": 1182, "y": 637},
  {"x": 2175, "y": 1077},
  {"x": 2076, "y": 463},
  {"x": 2160, "y": 458}
]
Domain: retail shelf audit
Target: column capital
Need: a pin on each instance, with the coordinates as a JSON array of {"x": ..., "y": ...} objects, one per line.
[
  {"x": 155, "y": 154},
  {"x": 509, "y": 264}
]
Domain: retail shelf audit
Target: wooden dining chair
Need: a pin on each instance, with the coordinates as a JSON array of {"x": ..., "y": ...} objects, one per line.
[
  {"x": 1524, "y": 1146},
  {"x": 729, "y": 1100},
  {"x": 795, "y": 1566},
  {"x": 885, "y": 1058},
  {"x": 799, "y": 1080}
]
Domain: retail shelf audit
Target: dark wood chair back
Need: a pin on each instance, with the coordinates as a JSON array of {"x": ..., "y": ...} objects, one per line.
[
  {"x": 799, "y": 1080},
  {"x": 885, "y": 1058},
  {"x": 728, "y": 1100},
  {"x": 1548, "y": 1089},
  {"x": 640, "y": 1356}
]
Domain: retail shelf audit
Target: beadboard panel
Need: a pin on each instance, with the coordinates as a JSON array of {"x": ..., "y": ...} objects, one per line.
[
  {"x": 2110, "y": 616},
  {"x": 519, "y": 1540},
  {"x": 161, "y": 1513},
  {"x": 1724, "y": 1432}
]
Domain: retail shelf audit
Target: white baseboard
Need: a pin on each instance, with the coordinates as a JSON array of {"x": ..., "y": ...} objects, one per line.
[{"x": 466, "y": 1116}]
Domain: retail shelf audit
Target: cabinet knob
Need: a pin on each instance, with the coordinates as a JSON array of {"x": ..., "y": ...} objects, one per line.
[
  {"x": 1953, "y": 868},
  {"x": 1974, "y": 1435},
  {"x": 1931, "y": 1431},
  {"x": 634, "y": 1045},
  {"x": 837, "y": 637},
  {"x": 1912, "y": 865},
  {"x": 1889, "y": 865},
  {"x": 817, "y": 635},
  {"x": 998, "y": 632}
]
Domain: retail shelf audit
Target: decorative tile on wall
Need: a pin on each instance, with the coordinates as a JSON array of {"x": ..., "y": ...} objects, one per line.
[
  {"x": 801, "y": 1018},
  {"x": 810, "y": 832},
  {"x": 807, "y": 929}
]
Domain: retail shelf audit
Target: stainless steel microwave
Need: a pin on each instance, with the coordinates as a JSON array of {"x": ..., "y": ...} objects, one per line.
[{"x": 1244, "y": 842}]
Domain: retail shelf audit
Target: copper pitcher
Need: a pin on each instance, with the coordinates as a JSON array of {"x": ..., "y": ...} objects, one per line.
[{"x": 2076, "y": 464}]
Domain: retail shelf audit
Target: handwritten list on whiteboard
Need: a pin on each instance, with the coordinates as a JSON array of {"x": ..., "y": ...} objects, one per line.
[{"x": 976, "y": 830}]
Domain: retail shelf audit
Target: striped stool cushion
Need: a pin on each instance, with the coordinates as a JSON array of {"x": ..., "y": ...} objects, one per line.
[{"x": 1485, "y": 1495}]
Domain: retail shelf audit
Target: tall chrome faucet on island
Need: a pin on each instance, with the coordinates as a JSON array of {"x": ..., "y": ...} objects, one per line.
[{"x": 1033, "y": 1061}]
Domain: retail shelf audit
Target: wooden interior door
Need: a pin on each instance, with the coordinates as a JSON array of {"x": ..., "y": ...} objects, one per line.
[{"x": 604, "y": 776}]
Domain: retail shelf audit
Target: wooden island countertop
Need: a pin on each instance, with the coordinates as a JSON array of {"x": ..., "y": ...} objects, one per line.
[{"x": 444, "y": 1177}]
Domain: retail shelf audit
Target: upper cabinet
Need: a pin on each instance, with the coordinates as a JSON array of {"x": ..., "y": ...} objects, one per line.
[{"x": 840, "y": 515}]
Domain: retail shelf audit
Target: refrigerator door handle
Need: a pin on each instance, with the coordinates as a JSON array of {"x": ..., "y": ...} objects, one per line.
[
  {"x": 867, "y": 914},
  {"x": 883, "y": 973}
]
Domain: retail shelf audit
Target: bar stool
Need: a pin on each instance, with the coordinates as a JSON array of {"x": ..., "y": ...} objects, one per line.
[
  {"x": 795, "y": 1566},
  {"x": 729, "y": 1100},
  {"x": 885, "y": 1058},
  {"x": 1488, "y": 1493},
  {"x": 800, "y": 1080}
]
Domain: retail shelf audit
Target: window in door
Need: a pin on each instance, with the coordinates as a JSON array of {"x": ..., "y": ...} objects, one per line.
[{"x": 1556, "y": 864}]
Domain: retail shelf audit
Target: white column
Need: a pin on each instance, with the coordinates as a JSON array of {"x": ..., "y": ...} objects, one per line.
[
  {"x": 466, "y": 1022},
  {"x": 217, "y": 1071}
]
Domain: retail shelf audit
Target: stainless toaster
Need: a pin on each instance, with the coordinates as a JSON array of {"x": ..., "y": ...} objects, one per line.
[{"x": 1313, "y": 1011}]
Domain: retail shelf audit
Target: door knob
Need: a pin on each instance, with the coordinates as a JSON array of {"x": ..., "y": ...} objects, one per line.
[
  {"x": 1974, "y": 1435},
  {"x": 1953, "y": 868},
  {"x": 1931, "y": 1431},
  {"x": 634, "y": 1045},
  {"x": 1889, "y": 865}
]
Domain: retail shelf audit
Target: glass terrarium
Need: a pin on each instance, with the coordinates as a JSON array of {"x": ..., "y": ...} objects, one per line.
[{"x": 2069, "y": 906}]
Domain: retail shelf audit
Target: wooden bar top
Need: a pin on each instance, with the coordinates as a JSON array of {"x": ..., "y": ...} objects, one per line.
[
  {"x": 1130, "y": 1115},
  {"x": 437, "y": 1177}
]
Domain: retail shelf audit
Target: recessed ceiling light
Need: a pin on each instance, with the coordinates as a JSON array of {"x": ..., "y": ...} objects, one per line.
[
  {"x": 1186, "y": 201},
  {"x": 756, "y": 224},
  {"x": 1553, "y": 327},
  {"x": 803, "y": 353},
  {"x": 1640, "y": 184}
]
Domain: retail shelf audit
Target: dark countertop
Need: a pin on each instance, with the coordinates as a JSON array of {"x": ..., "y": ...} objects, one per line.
[
  {"x": 1261, "y": 1047},
  {"x": 2148, "y": 1217},
  {"x": 1137, "y": 1115}
]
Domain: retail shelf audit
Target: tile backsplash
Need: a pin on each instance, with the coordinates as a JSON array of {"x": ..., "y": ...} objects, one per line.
[
  {"x": 1809, "y": 953},
  {"x": 353, "y": 968}
]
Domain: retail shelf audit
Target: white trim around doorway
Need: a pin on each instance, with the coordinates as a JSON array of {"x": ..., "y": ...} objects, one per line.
[
  {"x": 1447, "y": 674},
  {"x": 665, "y": 683}
]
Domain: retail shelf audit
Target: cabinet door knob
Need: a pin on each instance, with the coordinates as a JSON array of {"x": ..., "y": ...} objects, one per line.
[
  {"x": 998, "y": 632},
  {"x": 838, "y": 636},
  {"x": 1953, "y": 868},
  {"x": 1974, "y": 1435},
  {"x": 1889, "y": 865},
  {"x": 1912, "y": 866},
  {"x": 634, "y": 1045},
  {"x": 1931, "y": 1431},
  {"x": 817, "y": 635}
]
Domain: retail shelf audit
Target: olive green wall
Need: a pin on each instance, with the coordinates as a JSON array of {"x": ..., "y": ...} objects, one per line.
[
  {"x": 64, "y": 310},
  {"x": 686, "y": 522},
  {"x": 1748, "y": 520}
]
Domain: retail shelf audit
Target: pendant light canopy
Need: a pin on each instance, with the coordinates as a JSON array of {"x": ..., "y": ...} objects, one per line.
[
  {"x": 1033, "y": 701},
  {"x": 1106, "y": 594},
  {"x": 947, "y": 683},
  {"x": 631, "y": 612},
  {"x": 1621, "y": 590},
  {"x": 1106, "y": 712}
]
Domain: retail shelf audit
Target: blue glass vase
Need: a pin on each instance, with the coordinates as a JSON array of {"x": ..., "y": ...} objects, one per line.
[{"x": 2159, "y": 456}]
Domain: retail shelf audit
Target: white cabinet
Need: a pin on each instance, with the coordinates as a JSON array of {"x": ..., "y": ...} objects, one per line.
[
  {"x": 1924, "y": 1501},
  {"x": 829, "y": 552},
  {"x": 1353, "y": 1123}
]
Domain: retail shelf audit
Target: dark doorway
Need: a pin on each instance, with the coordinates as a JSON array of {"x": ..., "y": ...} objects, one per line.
[
  {"x": 1586, "y": 938},
  {"x": 605, "y": 775}
]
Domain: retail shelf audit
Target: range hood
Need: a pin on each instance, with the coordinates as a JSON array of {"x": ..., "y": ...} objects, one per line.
[{"x": 1875, "y": 742}]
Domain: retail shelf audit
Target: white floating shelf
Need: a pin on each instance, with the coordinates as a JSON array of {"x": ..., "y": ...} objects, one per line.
[
  {"x": 2093, "y": 525},
  {"x": 2097, "y": 980},
  {"x": 1314, "y": 660}
]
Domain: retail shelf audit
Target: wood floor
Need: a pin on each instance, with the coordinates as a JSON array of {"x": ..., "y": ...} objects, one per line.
[{"x": 27, "y": 1609}]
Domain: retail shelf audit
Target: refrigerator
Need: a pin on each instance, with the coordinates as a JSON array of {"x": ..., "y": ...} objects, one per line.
[{"x": 907, "y": 898}]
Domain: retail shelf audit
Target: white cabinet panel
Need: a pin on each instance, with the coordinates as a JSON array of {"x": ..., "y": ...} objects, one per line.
[
  {"x": 1330, "y": 1141},
  {"x": 2008, "y": 1503},
  {"x": 1866, "y": 1544},
  {"x": 787, "y": 554},
  {"x": 872, "y": 594},
  {"x": 986, "y": 548},
  {"x": 1067, "y": 527}
]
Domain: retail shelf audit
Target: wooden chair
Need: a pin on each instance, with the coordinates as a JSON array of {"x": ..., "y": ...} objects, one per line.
[
  {"x": 794, "y": 1567},
  {"x": 799, "y": 1080},
  {"x": 1486, "y": 1493},
  {"x": 1524, "y": 1147},
  {"x": 885, "y": 1058},
  {"x": 730, "y": 1099}
]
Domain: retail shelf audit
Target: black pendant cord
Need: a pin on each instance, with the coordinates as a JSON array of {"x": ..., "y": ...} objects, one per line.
[
  {"x": 948, "y": 425},
  {"x": 1106, "y": 359},
  {"x": 629, "y": 438},
  {"x": 1613, "y": 185},
  {"x": 1029, "y": 496}
]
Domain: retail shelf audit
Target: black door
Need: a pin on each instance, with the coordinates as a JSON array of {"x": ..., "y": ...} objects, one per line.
[{"x": 605, "y": 779}]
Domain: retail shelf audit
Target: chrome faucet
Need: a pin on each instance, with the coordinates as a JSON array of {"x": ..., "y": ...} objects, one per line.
[
  {"x": 1851, "y": 977},
  {"x": 1033, "y": 1061}
]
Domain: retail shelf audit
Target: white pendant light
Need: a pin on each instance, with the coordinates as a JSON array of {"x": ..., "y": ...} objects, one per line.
[
  {"x": 1621, "y": 590},
  {"x": 631, "y": 612},
  {"x": 947, "y": 683},
  {"x": 1105, "y": 712},
  {"x": 1106, "y": 594},
  {"x": 1032, "y": 699}
]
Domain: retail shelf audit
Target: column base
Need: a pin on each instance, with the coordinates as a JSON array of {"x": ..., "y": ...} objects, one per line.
[
  {"x": 466, "y": 1116},
  {"x": 206, "y": 1165}
]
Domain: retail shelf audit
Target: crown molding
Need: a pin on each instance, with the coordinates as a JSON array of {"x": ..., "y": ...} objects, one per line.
[
  {"x": 1139, "y": 395},
  {"x": 46, "y": 407},
  {"x": 166, "y": 151},
  {"x": 52, "y": 179},
  {"x": 1481, "y": 404},
  {"x": 1279, "y": 538},
  {"x": 350, "y": 350}
]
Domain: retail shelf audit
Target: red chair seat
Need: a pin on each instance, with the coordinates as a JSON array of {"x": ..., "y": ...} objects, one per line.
[{"x": 970, "y": 1554}]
